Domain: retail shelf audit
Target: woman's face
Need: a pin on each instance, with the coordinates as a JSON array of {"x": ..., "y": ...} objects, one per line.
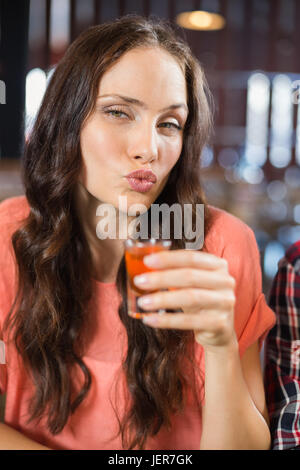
[{"x": 137, "y": 124}]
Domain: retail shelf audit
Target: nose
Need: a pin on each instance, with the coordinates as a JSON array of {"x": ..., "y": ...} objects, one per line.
[{"x": 143, "y": 143}]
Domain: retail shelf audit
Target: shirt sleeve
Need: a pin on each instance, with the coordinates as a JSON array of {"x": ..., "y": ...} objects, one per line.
[
  {"x": 282, "y": 359},
  {"x": 253, "y": 316}
]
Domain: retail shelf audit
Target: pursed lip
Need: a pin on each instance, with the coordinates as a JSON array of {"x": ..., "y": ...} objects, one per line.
[{"x": 147, "y": 175}]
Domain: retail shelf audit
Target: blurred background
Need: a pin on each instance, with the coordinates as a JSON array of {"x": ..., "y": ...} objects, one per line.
[{"x": 250, "y": 55}]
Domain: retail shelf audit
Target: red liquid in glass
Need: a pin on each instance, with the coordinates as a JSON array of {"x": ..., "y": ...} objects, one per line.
[{"x": 135, "y": 265}]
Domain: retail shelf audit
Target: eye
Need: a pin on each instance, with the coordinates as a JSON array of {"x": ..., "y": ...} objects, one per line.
[
  {"x": 170, "y": 125},
  {"x": 116, "y": 113}
]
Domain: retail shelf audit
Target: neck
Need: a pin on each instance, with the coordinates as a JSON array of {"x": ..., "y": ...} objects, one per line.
[{"x": 106, "y": 253}]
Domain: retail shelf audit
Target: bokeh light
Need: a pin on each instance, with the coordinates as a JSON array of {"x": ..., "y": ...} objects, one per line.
[
  {"x": 281, "y": 121},
  {"x": 297, "y": 214},
  {"x": 276, "y": 190},
  {"x": 36, "y": 83},
  {"x": 273, "y": 253}
]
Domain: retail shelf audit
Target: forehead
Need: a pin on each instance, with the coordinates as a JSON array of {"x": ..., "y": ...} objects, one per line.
[{"x": 150, "y": 73}]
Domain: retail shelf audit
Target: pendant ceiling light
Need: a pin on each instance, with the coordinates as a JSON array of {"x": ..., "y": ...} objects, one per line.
[{"x": 200, "y": 20}]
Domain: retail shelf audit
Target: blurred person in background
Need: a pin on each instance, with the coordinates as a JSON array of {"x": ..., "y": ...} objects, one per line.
[
  {"x": 81, "y": 373},
  {"x": 282, "y": 349}
]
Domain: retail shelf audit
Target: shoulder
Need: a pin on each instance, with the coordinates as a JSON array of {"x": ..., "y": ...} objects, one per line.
[
  {"x": 228, "y": 233},
  {"x": 221, "y": 218},
  {"x": 289, "y": 263},
  {"x": 13, "y": 209},
  {"x": 232, "y": 239},
  {"x": 13, "y": 212},
  {"x": 292, "y": 255}
]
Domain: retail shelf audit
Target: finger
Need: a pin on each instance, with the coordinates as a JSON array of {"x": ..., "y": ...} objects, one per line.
[
  {"x": 186, "y": 299},
  {"x": 185, "y": 277},
  {"x": 183, "y": 258},
  {"x": 215, "y": 322}
]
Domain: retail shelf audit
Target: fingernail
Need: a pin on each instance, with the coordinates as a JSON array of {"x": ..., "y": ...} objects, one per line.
[
  {"x": 140, "y": 280},
  {"x": 151, "y": 260},
  {"x": 144, "y": 301},
  {"x": 149, "y": 320}
]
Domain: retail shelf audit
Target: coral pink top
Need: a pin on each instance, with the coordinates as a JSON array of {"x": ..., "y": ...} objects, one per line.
[{"x": 94, "y": 424}]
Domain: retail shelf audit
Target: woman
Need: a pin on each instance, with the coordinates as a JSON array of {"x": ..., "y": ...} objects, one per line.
[{"x": 81, "y": 373}]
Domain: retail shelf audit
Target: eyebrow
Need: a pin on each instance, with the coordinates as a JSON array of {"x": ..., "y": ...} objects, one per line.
[{"x": 127, "y": 99}]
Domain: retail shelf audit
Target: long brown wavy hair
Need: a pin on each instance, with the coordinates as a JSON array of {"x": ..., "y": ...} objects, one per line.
[{"x": 53, "y": 258}]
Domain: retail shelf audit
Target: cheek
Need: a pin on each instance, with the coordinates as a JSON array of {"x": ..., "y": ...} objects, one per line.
[
  {"x": 97, "y": 145},
  {"x": 172, "y": 154}
]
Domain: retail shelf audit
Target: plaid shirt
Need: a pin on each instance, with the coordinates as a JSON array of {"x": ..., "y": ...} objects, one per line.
[{"x": 282, "y": 353}]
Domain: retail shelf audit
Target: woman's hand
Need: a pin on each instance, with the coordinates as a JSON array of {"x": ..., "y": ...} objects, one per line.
[{"x": 203, "y": 290}]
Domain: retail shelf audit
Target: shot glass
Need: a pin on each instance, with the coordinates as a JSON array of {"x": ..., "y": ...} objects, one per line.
[{"x": 135, "y": 250}]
